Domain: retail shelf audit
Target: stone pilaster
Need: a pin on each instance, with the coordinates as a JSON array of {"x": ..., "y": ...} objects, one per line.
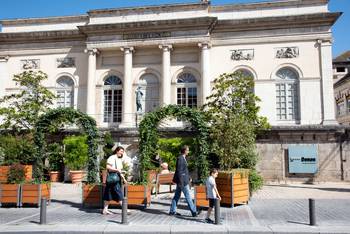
[
  {"x": 91, "y": 83},
  {"x": 205, "y": 70},
  {"x": 166, "y": 81},
  {"x": 127, "y": 116}
]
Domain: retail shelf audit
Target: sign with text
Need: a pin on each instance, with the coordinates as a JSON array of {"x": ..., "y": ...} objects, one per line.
[{"x": 302, "y": 158}]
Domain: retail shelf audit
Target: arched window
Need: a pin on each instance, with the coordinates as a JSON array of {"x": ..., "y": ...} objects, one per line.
[
  {"x": 112, "y": 100},
  {"x": 187, "y": 90},
  {"x": 150, "y": 88},
  {"x": 287, "y": 94},
  {"x": 245, "y": 73},
  {"x": 65, "y": 91}
]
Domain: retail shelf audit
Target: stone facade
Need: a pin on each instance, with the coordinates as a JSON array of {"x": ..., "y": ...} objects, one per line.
[{"x": 95, "y": 62}]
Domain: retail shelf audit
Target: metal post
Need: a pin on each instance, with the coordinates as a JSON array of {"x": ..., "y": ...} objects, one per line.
[
  {"x": 43, "y": 210},
  {"x": 217, "y": 211},
  {"x": 312, "y": 214},
  {"x": 125, "y": 206}
]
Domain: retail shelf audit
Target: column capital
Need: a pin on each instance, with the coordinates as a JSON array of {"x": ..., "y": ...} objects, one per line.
[
  {"x": 324, "y": 42},
  {"x": 92, "y": 51},
  {"x": 127, "y": 49},
  {"x": 4, "y": 58},
  {"x": 204, "y": 45},
  {"x": 166, "y": 47}
]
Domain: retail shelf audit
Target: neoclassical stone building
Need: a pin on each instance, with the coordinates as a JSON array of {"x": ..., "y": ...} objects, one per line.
[{"x": 97, "y": 61}]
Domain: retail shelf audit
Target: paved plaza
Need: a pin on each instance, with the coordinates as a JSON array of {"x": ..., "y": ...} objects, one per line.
[{"x": 274, "y": 209}]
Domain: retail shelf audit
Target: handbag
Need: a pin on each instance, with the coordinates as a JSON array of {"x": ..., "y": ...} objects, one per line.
[{"x": 113, "y": 177}]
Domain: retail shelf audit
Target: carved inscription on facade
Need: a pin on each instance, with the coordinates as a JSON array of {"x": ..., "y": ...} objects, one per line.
[
  {"x": 244, "y": 54},
  {"x": 27, "y": 64},
  {"x": 287, "y": 52},
  {"x": 65, "y": 62},
  {"x": 145, "y": 35}
]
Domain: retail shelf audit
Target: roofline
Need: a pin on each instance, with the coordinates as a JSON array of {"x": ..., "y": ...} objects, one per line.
[
  {"x": 150, "y": 7},
  {"x": 341, "y": 81},
  {"x": 268, "y": 4},
  {"x": 44, "y": 20}
]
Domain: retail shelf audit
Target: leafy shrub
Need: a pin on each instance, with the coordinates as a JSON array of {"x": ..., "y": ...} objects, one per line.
[
  {"x": 55, "y": 157},
  {"x": 16, "y": 174},
  {"x": 76, "y": 152},
  {"x": 18, "y": 149},
  {"x": 255, "y": 181},
  {"x": 169, "y": 150}
]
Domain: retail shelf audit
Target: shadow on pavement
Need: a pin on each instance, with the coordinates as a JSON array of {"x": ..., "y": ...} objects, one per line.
[
  {"x": 77, "y": 205},
  {"x": 297, "y": 222},
  {"x": 343, "y": 190}
]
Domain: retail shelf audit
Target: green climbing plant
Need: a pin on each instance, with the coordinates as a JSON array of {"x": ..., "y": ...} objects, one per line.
[
  {"x": 149, "y": 137},
  {"x": 56, "y": 117}
]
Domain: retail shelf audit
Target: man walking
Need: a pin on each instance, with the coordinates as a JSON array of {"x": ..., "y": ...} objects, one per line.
[{"x": 182, "y": 180}]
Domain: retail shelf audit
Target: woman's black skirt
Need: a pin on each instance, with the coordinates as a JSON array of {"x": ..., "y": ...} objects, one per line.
[{"x": 113, "y": 192}]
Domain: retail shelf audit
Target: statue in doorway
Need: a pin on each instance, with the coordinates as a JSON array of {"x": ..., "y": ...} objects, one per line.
[{"x": 139, "y": 95}]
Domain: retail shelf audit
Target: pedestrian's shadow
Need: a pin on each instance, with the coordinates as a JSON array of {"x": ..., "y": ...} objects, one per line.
[
  {"x": 168, "y": 204},
  {"x": 154, "y": 211},
  {"x": 297, "y": 222},
  {"x": 77, "y": 205},
  {"x": 190, "y": 218}
]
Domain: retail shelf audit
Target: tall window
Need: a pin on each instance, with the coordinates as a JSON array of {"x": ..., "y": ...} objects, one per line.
[
  {"x": 150, "y": 88},
  {"x": 112, "y": 103},
  {"x": 348, "y": 101},
  {"x": 186, "y": 90},
  {"x": 65, "y": 92},
  {"x": 246, "y": 73},
  {"x": 287, "y": 94}
]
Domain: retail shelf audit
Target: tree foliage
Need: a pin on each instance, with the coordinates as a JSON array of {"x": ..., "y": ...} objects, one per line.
[
  {"x": 21, "y": 110},
  {"x": 233, "y": 114}
]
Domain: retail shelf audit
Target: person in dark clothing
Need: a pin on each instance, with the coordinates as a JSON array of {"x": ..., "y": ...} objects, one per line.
[{"x": 182, "y": 181}]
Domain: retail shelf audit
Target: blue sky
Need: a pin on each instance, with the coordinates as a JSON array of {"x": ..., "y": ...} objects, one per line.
[{"x": 10, "y": 9}]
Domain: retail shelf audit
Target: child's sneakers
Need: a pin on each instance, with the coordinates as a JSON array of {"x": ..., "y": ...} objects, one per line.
[{"x": 208, "y": 220}]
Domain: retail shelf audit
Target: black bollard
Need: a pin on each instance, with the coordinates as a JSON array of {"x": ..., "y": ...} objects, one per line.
[
  {"x": 312, "y": 213},
  {"x": 217, "y": 212},
  {"x": 125, "y": 206},
  {"x": 43, "y": 204}
]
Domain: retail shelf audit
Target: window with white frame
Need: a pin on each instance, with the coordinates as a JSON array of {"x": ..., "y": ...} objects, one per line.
[
  {"x": 287, "y": 94},
  {"x": 341, "y": 108},
  {"x": 65, "y": 91},
  {"x": 186, "y": 90},
  {"x": 112, "y": 100},
  {"x": 150, "y": 89},
  {"x": 348, "y": 102},
  {"x": 246, "y": 73}
]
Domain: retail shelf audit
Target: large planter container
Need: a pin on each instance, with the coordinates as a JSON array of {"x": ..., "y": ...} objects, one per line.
[
  {"x": 5, "y": 169},
  {"x": 92, "y": 195},
  {"x": 76, "y": 176},
  {"x": 55, "y": 176},
  {"x": 10, "y": 194},
  {"x": 138, "y": 195},
  {"x": 32, "y": 193},
  {"x": 200, "y": 196},
  {"x": 233, "y": 187}
]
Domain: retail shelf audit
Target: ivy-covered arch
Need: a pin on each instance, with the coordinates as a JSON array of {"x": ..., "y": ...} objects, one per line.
[
  {"x": 66, "y": 115},
  {"x": 149, "y": 136}
]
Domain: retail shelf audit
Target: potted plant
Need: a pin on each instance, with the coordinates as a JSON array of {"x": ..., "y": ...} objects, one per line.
[
  {"x": 55, "y": 157},
  {"x": 10, "y": 192},
  {"x": 76, "y": 156}
]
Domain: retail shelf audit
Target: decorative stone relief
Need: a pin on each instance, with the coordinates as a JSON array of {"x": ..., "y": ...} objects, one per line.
[
  {"x": 30, "y": 64},
  {"x": 244, "y": 54},
  {"x": 65, "y": 62},
  {"x": 287, "y": 52}
]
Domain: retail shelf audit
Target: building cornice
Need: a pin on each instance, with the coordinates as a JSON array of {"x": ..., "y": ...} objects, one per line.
[
  {"x": 267, "y": 5},
  {"x": 265, "y": 23},
  {"x": 153, "y": 25},
  {"x": 152, "y": 8},
  {"x": 46, "y": 20},
  {"x": 42, "y": 36}
]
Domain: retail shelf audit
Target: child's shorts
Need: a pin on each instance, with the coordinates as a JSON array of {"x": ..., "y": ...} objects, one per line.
[{"x": 212, "y": 202}]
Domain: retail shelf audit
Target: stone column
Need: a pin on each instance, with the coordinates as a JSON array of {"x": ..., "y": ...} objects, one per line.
[
  {"x": 327, "y": 94},
  {"x": 3, "y": 73},
  {"x": 127, "y": 116},
  {"x": 166, "y": 82},
  {"x": 205, "y": 69},
  {"x": 91, "y": 83}
]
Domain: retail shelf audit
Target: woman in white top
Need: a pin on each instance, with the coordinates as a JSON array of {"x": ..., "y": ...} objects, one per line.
[{"x": 114, "y": 191}]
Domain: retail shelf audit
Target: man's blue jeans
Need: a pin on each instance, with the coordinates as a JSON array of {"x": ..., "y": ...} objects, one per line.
[{"x": 177, "y": 195}]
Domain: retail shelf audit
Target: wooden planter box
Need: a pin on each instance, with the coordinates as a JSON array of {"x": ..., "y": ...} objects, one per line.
[
  {"x": 32, "y": 193},
  {"x": 10, "y": 194},
  {"x": 138, "y": 195},
  {"x": 233, "y": 187},
  {"x": 92, "y": 195},
  {"x": 5, "y": 169},
  {"x": 200, "y": 196}
]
